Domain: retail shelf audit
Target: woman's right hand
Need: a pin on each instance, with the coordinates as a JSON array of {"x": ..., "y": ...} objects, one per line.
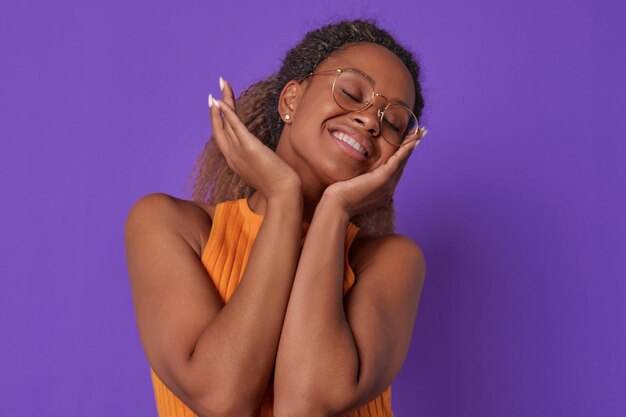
[{"x": 259, "y": 166}]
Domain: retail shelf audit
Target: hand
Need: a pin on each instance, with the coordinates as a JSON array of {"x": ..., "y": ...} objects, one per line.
[
  {"x": 370, "y": 190},
  {"x": 255, "y": 163}
]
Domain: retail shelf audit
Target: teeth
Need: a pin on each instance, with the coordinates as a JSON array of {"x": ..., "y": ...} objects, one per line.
[{"x": 347, "y": 139}]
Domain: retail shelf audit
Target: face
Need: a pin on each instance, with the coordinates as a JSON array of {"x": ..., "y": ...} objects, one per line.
[{"x": 311, "y": 140}]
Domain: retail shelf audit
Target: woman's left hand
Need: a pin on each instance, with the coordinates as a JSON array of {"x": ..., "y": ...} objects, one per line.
[{"x": 370, "y": 190}]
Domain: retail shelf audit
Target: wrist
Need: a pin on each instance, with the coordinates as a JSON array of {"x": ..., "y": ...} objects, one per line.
[
  {"x": 292, "y": 201},
  {"x": 289, "y": 191},
  {"x": 331, "y": 204}
]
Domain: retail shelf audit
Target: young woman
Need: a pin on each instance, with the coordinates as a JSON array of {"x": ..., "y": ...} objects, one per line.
[{"x": 258, "y": 297}]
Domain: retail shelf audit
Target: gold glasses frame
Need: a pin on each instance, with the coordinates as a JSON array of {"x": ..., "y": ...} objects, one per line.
[{"x": 380, "y": 113}]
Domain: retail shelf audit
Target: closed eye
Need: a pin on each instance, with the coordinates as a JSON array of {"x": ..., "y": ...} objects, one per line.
[
  {"x": 394, "y": 127},
  {"x": 351, "y": 97}
]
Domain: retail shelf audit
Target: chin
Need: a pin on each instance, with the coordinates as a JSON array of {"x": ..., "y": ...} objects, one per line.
[{"x": 328, "y": 163}]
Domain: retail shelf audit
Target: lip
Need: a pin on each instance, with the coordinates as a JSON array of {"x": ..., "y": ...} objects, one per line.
[{"x": 356, "y": 136}]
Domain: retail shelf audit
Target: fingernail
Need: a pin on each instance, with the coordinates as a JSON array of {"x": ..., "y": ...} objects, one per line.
[
  {"x": 424, "y": 132},
  {"x": 221, "y": 84},
  {"x": 213, "y": 102}
]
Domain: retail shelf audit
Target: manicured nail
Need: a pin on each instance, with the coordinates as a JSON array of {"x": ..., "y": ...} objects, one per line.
[
  {"x": 424, "y": 131},
  {"x": 213, "y": 102},
  {"x": 221, "y": 84}
]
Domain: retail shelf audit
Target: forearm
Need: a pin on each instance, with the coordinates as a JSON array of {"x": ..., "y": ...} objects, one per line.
[
  {"x": 237, "y": 350},
  {"x": 317, "y": 361}
]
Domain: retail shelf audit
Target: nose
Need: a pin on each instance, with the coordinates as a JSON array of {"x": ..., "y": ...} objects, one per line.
[{"x": 368, "y": 119}]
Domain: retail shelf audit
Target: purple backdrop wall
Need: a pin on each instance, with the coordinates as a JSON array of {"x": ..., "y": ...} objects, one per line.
[{"x": 514, "y": 196}]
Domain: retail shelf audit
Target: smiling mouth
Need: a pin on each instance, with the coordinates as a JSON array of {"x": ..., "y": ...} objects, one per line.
[{"x": 347, "y": 139}]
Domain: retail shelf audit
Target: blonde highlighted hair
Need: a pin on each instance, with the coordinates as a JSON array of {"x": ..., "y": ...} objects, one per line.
[{"x": 257, "y": 106}]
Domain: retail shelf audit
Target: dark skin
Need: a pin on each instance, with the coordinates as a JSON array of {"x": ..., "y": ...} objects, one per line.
[{"x": 288, "y": 322}]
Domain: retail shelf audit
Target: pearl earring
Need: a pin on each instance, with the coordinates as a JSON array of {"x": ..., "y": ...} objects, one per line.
[{"x": 287, "y": 117}]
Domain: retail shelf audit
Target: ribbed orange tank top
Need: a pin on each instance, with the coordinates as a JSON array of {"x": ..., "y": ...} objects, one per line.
[{"x": 235, "y": 227}]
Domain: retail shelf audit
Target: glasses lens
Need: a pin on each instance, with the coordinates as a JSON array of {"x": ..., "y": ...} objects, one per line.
[
  {"x": 352, "y": 90},
  {"x": 398, "y": 124}
]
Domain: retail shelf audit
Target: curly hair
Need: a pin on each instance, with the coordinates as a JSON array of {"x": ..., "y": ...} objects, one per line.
[{"x": 257, "y": 107}]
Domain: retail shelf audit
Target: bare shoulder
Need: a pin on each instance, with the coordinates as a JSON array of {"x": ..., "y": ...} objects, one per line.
[
  {"x": 191, "y": 219},
  {"x": 391, "y": 252}
]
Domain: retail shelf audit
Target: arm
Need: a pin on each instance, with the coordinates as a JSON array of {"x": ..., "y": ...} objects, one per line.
[
  {"x": 217, "y": 358},
  {"x": 334, "y": 358}
]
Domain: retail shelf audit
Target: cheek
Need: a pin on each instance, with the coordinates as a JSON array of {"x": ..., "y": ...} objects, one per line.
[
  {"x": 385, "y": 154},
  {"x": 316, "y": 108},
  {"x": 310, "y": 120}
]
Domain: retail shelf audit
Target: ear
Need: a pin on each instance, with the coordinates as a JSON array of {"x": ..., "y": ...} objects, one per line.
[{"x": 288, "y": 100}]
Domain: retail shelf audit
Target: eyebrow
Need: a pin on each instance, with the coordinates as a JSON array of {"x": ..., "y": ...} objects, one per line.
[
  {"x": 394, "y": 101},
  {"x": 400, "y": 102}
]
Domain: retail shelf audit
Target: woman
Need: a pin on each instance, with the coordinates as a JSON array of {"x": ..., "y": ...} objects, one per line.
[{"x": 321, "y": 320}]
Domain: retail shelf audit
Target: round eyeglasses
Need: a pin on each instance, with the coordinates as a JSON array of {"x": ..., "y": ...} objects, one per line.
[{"x": 353, "y": 91}]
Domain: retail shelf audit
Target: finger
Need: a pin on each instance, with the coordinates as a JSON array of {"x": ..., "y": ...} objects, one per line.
[
  {"x": 239, "y": 129},
  {"x": 392, "y": 169},
  {"x": 218, "y": 126},
  {"x": 233, "y": 140},
  {"x": 416, "y": 141},
  {"x": 400, "y": 156},
  {"x": 228, "y": 95},
  {"x": 407, "y": 152},
  {"x": 231, "y": 133},
  {"x": 404, "y": 157}
]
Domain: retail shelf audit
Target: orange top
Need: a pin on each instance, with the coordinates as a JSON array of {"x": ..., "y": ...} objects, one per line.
[{"x": 235, "y": 227}]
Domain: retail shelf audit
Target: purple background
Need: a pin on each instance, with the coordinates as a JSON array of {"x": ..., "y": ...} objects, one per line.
[{"x": 515, "y": 195}]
